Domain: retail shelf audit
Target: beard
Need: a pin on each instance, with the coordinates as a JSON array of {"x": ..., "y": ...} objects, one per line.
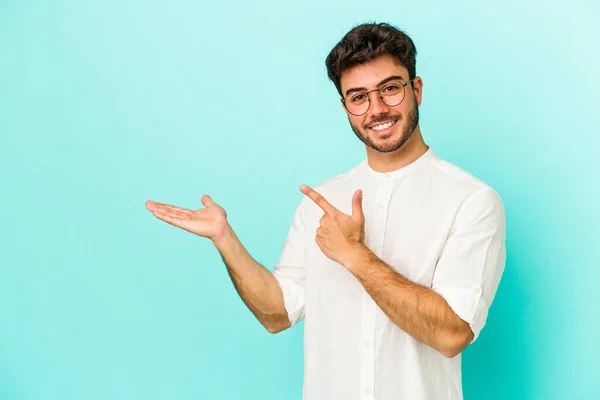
[{"x": 391, "y": 144}]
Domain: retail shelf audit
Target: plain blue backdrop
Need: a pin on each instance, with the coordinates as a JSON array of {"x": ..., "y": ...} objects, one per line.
[{"x": 105, "y": 104}]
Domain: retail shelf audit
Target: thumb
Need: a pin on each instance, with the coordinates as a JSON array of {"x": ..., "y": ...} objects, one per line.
[
  {"x": 357, "y": 210},
  {"x": 207, "y": 201}
]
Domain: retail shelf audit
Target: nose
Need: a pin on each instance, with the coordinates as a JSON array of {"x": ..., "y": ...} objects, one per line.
[{"x": 377, "y": 105}]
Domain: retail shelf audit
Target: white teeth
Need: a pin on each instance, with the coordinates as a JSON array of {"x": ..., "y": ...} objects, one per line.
[{"x": 382, "y": 127}]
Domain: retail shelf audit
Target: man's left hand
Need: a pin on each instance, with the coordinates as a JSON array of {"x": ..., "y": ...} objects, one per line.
[{"x": 339, "y": 234}]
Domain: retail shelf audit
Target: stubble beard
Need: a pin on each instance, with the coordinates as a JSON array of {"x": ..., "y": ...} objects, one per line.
[{"x": 388, "y": 146}]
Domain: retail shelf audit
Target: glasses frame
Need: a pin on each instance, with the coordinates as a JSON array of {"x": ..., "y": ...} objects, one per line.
[{"x": 380, "y": 97}]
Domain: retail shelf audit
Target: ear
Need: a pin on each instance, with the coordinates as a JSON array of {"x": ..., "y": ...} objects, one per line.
[
  {"x": 342, "y": 104},
  {"x": 417, "y": 87}
]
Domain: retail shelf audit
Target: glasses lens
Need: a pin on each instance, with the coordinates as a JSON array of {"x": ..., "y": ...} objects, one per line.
[
  {"x": 357, "y": 103},
  {"x": 393, "y": 94}
]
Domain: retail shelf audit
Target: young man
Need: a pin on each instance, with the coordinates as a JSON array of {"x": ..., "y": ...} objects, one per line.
[{"x": 393, "y": 263}]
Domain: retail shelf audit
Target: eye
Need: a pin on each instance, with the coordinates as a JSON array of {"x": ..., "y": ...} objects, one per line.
[
  {"x": 391, "y": 89},
  {"x": 357, "y": 98}
]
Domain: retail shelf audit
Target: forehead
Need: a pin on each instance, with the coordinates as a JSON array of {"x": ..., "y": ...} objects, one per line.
[{"x": 370, "y": 74}]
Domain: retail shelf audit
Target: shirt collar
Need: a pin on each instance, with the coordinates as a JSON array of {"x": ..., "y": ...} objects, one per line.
[{"x": 423, "y": 159}]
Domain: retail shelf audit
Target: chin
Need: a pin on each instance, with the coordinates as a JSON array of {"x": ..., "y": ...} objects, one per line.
[
  {"x": 388, "y": 147},
  {"x": 386, "y": 144}
]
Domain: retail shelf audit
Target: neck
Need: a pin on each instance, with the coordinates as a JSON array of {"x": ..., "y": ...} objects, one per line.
[{"x": 414, "y": 148}]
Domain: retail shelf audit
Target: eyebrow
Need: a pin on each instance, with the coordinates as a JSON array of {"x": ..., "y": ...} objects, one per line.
[{"x": 386, "y": 80}]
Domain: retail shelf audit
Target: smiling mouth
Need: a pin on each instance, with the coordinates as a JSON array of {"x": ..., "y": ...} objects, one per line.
[{"x": 383, "y": 128}]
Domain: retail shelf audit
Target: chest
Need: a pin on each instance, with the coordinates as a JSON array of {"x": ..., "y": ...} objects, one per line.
[{"x": 405, "y": 226}]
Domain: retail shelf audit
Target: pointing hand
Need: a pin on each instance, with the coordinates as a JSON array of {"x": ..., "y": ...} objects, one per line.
[{"x": 339, "y": 233}]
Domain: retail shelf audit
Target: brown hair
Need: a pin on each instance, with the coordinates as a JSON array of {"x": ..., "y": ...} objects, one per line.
[{"x": 364, "y": 43}]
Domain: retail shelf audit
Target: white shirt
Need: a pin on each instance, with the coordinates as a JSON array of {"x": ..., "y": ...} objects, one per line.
[{"x": 432, "y": 222}]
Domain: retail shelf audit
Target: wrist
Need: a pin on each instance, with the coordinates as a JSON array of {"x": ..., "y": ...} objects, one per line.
[
  {"x": 357, "y": 255},
  {"x": 224, "y": 237}
]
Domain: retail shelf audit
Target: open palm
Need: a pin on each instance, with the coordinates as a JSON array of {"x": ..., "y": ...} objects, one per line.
[{"x": 208, "y": 222}]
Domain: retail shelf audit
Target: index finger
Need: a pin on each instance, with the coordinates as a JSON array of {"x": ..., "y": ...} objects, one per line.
[{"x": 318, "y": 199}]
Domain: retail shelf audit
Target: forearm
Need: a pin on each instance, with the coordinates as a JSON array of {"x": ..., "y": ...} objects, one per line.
[
  {"x": 416, "y": 309},
  {"x": 256, "y": 285}
]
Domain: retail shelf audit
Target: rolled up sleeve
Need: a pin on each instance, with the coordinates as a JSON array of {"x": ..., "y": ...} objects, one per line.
[
  {"x": 290, "y": 270},
  {"x": 473, "y": 258}
]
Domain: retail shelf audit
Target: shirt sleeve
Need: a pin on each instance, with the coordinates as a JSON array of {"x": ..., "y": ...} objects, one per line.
[
  {"x": 290, "y": 270},
  {"x": 473, "y": 258}
]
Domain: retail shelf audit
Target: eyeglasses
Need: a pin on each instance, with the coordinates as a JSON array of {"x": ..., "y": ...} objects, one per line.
[{"x": 392, "y": 94}]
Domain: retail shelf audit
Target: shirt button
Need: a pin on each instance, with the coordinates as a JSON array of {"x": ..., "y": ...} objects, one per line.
[
  {"x": 367, "y": 344},
  {"x": 380, "y": 206},
  {"x": 367, "y": 391}
]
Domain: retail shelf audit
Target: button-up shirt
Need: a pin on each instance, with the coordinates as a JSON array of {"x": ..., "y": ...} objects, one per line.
[{"x": 433, "y": 223}]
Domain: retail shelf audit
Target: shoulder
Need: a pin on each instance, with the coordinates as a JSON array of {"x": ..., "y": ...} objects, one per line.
[
  {"x": 455, "y": 179},
  {"x": 339, "y": 180},
  {"x": 477, "y": 203}
]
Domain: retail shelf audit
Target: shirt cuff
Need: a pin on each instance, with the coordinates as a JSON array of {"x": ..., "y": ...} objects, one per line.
[
  {"x": 468, "y": 304},
  {"x": 293, "y": 298}
]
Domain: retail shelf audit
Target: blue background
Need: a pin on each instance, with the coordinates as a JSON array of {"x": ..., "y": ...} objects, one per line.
[{"x": 105, "y": 104}]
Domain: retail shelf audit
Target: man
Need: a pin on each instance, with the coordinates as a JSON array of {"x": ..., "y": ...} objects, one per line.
[{"x": 394, "y": 263}]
